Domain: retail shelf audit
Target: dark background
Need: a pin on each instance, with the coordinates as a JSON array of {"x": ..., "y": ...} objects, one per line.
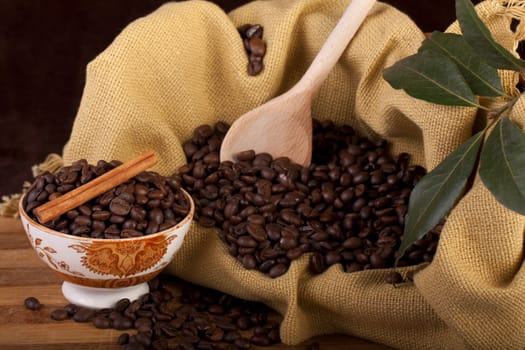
[{"x": 45, "y": 46}]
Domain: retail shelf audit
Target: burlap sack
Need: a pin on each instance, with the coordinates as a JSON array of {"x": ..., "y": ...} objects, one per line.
[{"x": 184, "y": 65}]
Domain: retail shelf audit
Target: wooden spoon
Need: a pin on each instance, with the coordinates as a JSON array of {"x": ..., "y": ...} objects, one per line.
[{"x": 283, "y": 125}]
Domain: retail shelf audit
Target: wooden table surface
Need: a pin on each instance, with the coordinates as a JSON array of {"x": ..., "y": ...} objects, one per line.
[{"x": 23, "y": 274}]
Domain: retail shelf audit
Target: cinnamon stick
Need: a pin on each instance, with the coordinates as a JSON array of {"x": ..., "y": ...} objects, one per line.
[{"x": 80, "y": 195}]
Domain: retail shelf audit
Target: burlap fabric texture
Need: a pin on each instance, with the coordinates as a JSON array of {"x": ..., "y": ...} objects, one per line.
[{"x": 185, "y": 65}]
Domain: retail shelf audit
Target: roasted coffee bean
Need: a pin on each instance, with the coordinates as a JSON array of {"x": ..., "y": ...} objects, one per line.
[
  {"x": 256, "y": 231},
  {"x": 143, "y": 339},
  {"x": 101, "y": 322},
  {"x": 247, "y": 242},
  {"x": 118, "y": 206},
  {"x": 254, "y": 46},
  {"x": 393, "y": 278},
  {"x": 122, "y": 323},
  {"x": 249, "y": 261},
  {"x": 254, "y": 31},
  {"x": 333, "y": 257},
  {"x": 83, "y": 314},
  {"x": 242, "y": 343},
  {"x": 123, "y": 339},
  {"x": 101, "y": 215},
  {"x": 231, "y": 336},
  {"x": 82, "y": 220},
  {"x": 32, "y": 303},
  {"x": 352, "y": 243},
  {"x": 261, "y": 340},
  {"x": 71, "y": 309},
  {"x": 59, "y": 315},
  {"x": 317, "y": 263},
  {"x": 295, "y": 253},
  {"x": 257, "y": 47},
  {"x": 278, "y": 270}
]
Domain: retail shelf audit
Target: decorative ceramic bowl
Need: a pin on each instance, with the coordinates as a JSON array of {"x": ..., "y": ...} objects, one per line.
[{"x": 98, "y": 272}]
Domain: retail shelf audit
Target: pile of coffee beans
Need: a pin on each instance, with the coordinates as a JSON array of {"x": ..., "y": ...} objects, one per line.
[
  {"x": 348, "y": 207},
  {"x": 145, "y": 204},
  {"x": 200, "y": 318},
  {"x": 254, "y": 45}
]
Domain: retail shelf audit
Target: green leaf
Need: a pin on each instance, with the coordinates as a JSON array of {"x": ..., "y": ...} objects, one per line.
[
  {"x": 432, "y": 77},
  {"x": 438, "y": 191},
  {"x": 479, "y": 37},
  {"x": 502, "y": 165},
  {"x": 482, "y": 78}
]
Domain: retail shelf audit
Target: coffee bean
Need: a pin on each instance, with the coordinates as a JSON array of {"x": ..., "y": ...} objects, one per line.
[
  {"x": 277, "y": 270},
  {"x": 143, "y": 339},
  {"x": 254, "y": 31},
  {"x": 393, "y": 278},
  {"x": 332, "y": 257},
  {"x": 242, "y": 343},
  {"x": 231, "y": 336},
  {"x": 317, "y": 263},
  {"x": 71, "y": 309},
  {"x": 257, "y": 47},
  {"x": 101, "y": 322},
  {"x": 122, "y": 304},
  {"x": 32, "y": 303},
  {"x": 83, "y": 314},
  {"x": 82, "y": 220},
  {"x": 377, "y": 261},
  {"x": 246, "y": 241},
  {"x": 296, "y": 252},
  {"x": 123, "y": 339},
  {"x": 101, "y": 215},
  {"x": 122, "y": 323},
  {"x": 261, "y": 340},
  {"x": 119, "y": 206},
  {"x": 85, "y": 210},
  {"x": 59, "y": 315}
]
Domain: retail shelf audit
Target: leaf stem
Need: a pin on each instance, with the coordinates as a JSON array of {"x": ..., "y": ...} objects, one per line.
[{"x": 499, "y": 112}]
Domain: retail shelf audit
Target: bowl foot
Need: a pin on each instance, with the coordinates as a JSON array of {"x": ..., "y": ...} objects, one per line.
[{"x": 99, "y": 298}]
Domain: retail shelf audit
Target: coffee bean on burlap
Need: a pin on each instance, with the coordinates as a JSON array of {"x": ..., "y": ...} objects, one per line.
[
  {"x": 347, "y": 207},
  {"x": 255, "y": 48}
]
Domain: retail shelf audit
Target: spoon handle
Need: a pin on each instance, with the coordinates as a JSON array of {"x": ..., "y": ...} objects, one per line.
[{"x": 335, "y": 45}]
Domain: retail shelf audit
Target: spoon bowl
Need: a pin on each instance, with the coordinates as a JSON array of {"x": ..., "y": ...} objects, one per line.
[{"x": 283, "y": 125}]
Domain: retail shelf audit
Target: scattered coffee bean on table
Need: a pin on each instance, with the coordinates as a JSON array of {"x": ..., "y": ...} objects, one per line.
[
  {"x": 145, "y": 204},
  {"x": 200, "y": 318},
  {"x": 254, "y": 45},
  {"x": 32, "y": 303},
  {"x": 348, "y": 207}
]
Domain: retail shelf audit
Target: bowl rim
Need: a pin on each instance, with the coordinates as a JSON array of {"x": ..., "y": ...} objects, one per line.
[{"x": 181, "y": 223}]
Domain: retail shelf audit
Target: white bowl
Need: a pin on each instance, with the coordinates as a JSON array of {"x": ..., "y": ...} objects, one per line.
[{"x": 98, "y": 272}]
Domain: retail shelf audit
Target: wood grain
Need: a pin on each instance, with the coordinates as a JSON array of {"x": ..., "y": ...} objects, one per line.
[{"x": 22, "y": 274}]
